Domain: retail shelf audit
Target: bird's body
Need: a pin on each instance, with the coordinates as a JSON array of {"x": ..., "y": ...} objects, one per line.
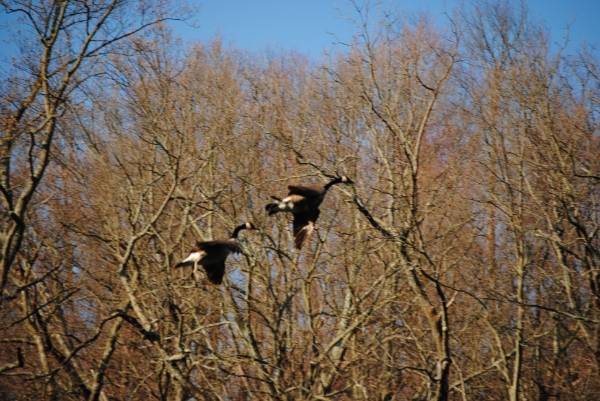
[
  {"x": 303, "y": 202},
  {"x": 211, "y": 255}
]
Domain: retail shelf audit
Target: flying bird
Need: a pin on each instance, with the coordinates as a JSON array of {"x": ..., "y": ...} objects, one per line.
[
  {"x": 303, "y": 202},
  {"x": 212, "y": 254}
]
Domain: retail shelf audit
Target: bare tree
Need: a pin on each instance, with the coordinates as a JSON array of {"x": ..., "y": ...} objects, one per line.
[{"x": 462, "y": 265}]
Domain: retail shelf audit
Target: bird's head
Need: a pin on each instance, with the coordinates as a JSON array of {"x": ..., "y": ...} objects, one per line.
[
  {"x": 243, "y": 226},
  {"x": 339, "y": 179},
  {"x": 346, "y": 180}
]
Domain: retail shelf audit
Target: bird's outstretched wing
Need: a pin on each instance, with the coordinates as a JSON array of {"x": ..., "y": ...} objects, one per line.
[
  {"x": 216, "y": 245},
  {"x": 302, "y": 190},
  {"x": 216, "y": 254},
  {"x": 215, "y": 270},
  {"x": 304, "y": 224}
]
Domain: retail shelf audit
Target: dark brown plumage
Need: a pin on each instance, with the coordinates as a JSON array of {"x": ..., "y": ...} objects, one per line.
[
  {"x": 211, "y": 255},
  {"x": 303, "y": 202}
]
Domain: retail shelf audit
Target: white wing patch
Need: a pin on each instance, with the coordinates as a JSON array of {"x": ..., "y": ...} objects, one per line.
[
  {"x": 288, "y": 203},
  {"x": 194, "y": 257},
  {"x": 285, "y": 206},
  {"x": 292, "y": 198}
]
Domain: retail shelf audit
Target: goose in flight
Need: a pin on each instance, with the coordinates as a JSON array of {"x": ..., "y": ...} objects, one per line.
[
  {"x": 212, "y": 254},
  {"x": 303, "y": 202}
]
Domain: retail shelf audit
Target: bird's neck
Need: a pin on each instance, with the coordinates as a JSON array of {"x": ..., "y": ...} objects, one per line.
[
  {"x": 332, "y": 183},
  {"x": 237, "y": 230}
]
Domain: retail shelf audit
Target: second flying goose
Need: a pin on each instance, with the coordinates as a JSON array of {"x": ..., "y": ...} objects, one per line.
[{"x": 212, "y": 254}]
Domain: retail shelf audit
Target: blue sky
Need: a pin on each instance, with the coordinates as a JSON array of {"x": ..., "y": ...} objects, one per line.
[{"x": 312, "y": 26}]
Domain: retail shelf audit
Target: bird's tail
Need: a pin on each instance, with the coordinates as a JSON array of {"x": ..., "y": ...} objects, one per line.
[{"x": 274, "y": 207}]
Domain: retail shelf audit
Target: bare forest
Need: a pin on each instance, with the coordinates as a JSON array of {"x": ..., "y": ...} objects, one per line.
[{"x": 462, "y": 263}]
